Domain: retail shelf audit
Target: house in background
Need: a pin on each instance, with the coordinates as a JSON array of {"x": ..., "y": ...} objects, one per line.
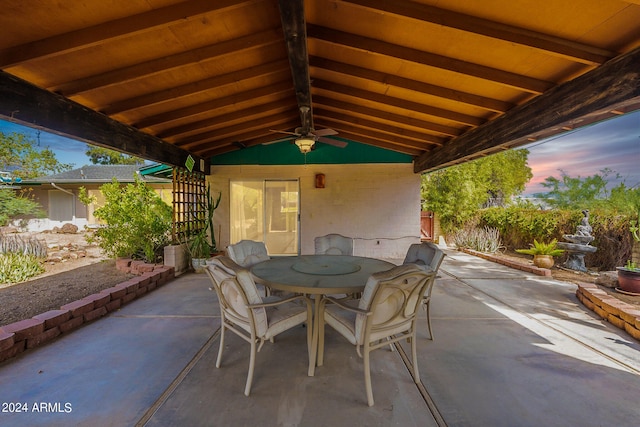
[{"x": 58, "y": 193}]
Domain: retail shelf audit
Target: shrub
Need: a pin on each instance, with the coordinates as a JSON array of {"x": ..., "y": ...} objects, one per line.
[
  {"x": 20, "y": 245},
  {"x": 484, "y": 239},
  {"x": 138, "y": 221},
  {"x": 17, "y": 267}
]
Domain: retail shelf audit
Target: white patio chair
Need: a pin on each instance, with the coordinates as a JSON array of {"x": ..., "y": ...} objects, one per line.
[
  {"x": 333, "y": 244},
  {"x": 247, "y": 252},
  {"x": 385, "y": 314},
  {"x": 429, "y": 256},
  {"x": 249, "y": 316}
]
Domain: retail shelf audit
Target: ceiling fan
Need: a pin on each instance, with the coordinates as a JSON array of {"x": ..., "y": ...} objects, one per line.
[{"x": 306, "y": 140}]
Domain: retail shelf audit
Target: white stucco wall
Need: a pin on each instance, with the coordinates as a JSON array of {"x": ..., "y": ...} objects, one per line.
[{"x": 376, "y": 204}]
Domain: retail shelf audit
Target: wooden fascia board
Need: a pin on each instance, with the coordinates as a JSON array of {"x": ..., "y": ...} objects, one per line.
[
  {"x": 23, "y": 103},
  {"x": 611, "y": 86}
]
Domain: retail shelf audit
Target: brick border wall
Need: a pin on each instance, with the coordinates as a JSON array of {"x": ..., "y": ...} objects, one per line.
[
  {"x": 18, "y": 337},
  {"x": 619, "y": 313}
]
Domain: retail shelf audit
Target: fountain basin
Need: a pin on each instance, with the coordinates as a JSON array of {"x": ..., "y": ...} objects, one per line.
[
  {"x": 578, "y": 239},
  {"x": 576, "y": 247}
]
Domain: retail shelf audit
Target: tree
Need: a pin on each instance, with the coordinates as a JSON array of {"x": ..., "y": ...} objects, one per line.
[
  {"x": 576, "y": 192},
  {"x": 14, "y": 205},
  {"x": 455, "y": 194},
  {"x": 19, "y": 155},
  {"x": 105, "y": 156}
]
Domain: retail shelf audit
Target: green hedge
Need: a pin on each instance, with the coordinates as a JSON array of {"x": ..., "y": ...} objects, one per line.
[{"x": 520, "y": 226}]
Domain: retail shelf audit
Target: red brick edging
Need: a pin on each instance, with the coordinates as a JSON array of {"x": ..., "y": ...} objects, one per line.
[
  {"x": 619, "y": 313},
  {"x": 18, "y": 337},
  {"x": 510, "y": 263}
]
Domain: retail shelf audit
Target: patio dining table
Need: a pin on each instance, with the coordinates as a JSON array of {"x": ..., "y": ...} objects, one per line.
[{"x": 318, "y": 275}]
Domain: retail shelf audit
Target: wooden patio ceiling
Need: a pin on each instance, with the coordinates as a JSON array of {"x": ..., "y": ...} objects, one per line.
[{"x": 444, "y": 82}]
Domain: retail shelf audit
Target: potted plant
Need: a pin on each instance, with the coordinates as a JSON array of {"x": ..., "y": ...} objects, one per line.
[
  {"x": 543, "y": 253},
  {"x": 629, "y": 275},
  {"x": 199, "y": 250}
]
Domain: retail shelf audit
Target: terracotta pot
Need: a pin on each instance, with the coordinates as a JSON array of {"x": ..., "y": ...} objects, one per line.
[
  {"x": 543, "y": 261},
  {"x": 628, "y": 280}
]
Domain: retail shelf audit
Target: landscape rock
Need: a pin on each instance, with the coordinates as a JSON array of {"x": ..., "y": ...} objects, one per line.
[{"x": 608, "y": 279}]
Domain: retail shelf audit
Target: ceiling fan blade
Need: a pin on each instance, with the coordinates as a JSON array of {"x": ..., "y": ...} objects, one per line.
[
  {"x": 334, "y": 142},
  {"x": 284, "y": 131},
  {"x": 325, "y": 132},
  {"x": 278, "y": 140}
]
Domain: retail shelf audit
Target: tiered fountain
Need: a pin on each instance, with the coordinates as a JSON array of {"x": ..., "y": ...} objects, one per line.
[{"x": 578, "y": 245}]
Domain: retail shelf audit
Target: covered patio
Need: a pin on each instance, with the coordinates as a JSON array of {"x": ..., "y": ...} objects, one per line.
[{"x": 510, "y": 349}]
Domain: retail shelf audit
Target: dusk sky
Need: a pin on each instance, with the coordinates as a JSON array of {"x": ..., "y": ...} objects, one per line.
[{"x": 613, "y": 144}]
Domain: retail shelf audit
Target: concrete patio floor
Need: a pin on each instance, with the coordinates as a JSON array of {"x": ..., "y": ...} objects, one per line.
[{"x": 510, "y": 349}]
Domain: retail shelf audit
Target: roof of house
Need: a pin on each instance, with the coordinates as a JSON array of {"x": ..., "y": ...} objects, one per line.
[{"x": 98, "y": 174}]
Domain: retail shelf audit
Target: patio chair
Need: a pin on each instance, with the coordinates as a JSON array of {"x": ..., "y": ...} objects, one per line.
[
  {"x": 429, "y": 256},
  {"x": 247, "y": 252},
  {"x": 249, "y": 316},
  {"x": 385, "y": 314},
  {"x": 333, "y": 244}
]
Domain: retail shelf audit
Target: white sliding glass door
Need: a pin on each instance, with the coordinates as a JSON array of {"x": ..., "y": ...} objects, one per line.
[{"x": 267, "y": 211}]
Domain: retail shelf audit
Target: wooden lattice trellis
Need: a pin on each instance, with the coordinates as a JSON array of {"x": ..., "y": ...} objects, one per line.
[{"x": 189, "y": 204}]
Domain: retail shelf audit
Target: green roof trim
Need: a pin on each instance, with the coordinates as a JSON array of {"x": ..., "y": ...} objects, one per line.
[
  {"x": 157, "y": 169},
  {"x": 286, "y": 153}
]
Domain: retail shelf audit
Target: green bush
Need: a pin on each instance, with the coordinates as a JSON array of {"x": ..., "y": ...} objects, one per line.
[
  {"x": 138, "y": 221},
  {"x": 519, "y": 226},
  {"x": 17, "y": 267}
]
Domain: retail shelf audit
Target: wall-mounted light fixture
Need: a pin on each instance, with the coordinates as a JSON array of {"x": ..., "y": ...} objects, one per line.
[
  {"x": 305, "y": 144},
  {"x": 319, "y": 180}
]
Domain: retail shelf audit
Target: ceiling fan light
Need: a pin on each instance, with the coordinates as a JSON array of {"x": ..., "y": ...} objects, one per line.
[{"x": 305, "y": 144}]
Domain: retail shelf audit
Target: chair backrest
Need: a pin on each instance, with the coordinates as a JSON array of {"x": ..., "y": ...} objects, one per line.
[
  {"x": 236, "y": 289},
  {"x": 393, "y": 297},
  {"x": 425, "y": 254},
  {"x": 248, "y": 252},
  {"x": 333, "y": 244}
]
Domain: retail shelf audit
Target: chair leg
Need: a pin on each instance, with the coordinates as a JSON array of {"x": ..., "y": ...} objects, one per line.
[
  {"x": 252, "y": 364},
  {"x": 414, "y": 356},
  {"x": 367, "y": 376},
  {"x": 219, "y": 359},
  {"x": 427, "y": 308}
]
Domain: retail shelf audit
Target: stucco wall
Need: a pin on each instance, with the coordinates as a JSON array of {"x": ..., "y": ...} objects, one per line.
[{"x": 376, "y": 204}]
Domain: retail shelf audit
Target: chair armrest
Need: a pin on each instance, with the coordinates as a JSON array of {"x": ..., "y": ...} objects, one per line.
[{"x": 346, "y": 306}]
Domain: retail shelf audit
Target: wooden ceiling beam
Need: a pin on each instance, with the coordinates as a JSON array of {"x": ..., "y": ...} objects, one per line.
[
  {"x": 464, "y": 119},
  {"x": 505, "y": 78},
  {"x": 490, "y": 104},
  {"x": 380, "y": 143},
  {"x": 193, "y": 142},
  {"x": 166, "y": 63},
  {"x": 574, "y": 51},
  {"x": 574, "y": 103},
  {"x": 374, "y": 134},
  {"x": 279, "y": 70},
  {"x": 349, "y": 107},
  {"x": 112, "y": 30},
  {"x": 248, "y": 139},
  {"x": 419, "y": 137},
  {"x": 207, "y": 107},
  {"x": 294, "y": 27},
  {"x": 25, "y": 104},
  {"x": 221, "y": 120}
]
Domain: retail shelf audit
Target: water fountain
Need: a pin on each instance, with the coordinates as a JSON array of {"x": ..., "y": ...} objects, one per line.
[{"x": 578, "y": 245}]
